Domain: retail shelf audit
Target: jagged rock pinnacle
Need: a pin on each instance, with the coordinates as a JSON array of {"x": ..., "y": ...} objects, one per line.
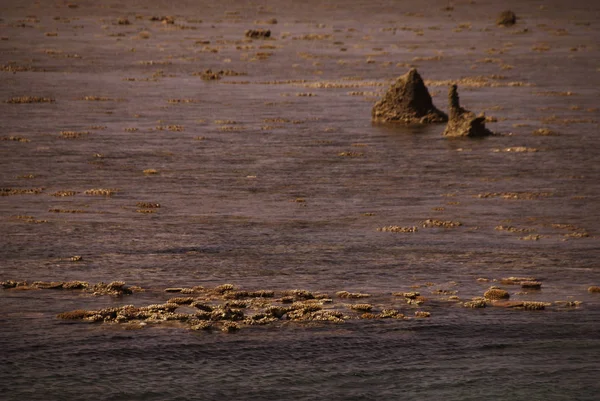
[
  {"x": 407, "y": 101},
  {"x": 462, "y": 122}
]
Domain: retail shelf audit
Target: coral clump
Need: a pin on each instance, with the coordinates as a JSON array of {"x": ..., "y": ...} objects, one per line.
[
  {"x": 506, "y": 18},
  {"x": 100, "y": 192},
  {"x": 346, "y": 294},
  {"x": 30, "y": 99},
  {"x": 361, "y": 307},
  {"x": 441, "y": 223},
  {"x": 78, "y": 314},
  {"x": 298, "y": 294},
  {"x": 398, "y": 229},
  {"x": 462, "y": 122},
  {"x": 594, "y": 288},
  {"x": 496, "y": 293},
  {"x": 532, "y": 285},
  {"x": 475, "y": 303},
  {"x": 532, "y": 305},
  {"x": 258, "y": 33},
  {"x": 407, "y": 101},
  {"x": 181, "y": 300},
  {"x": 114, "y": 288},
  {"x": 516, "y": 280}
]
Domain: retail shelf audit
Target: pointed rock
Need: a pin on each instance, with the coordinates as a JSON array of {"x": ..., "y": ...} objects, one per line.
[
  {"x": 407, "y": 101},
  {"x": 462, "y": 122}
]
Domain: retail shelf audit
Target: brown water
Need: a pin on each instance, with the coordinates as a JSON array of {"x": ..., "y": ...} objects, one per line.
[{"x": 272, "y": 201}]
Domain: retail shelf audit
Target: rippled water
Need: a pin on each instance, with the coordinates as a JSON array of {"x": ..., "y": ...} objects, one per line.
[{"x": 270, "y": 201}]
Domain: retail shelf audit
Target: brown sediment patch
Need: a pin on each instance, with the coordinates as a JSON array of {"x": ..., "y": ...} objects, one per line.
[
  {"x": 73, "y": 134},
  {"x": 513, "y": 229},
  {"x": 177, "y": 101},
  {"x": 313, "y": 36},
  {"x": 20, "y": 191},
  {"x": 30, "y": 219},
  {"x": 15, "y": 139},
  {"x": 64, "y": 193},
  {"x": 516, "y": 280},
  {"x": 29, "y": 99},
  {"x": 555, "y": 93},
  {"x": 97, "y": 99},
  {"x": 12, "y": 67},
  {"x": 101, "y": 192},
  {"x": 441, "y": 223},
  {"x": 516, "y": 149},
  {"x": 515, "y": 195},
  {"x": 496, "y": 293},
  {"x": 398, "y": 229},
  {"x": 72, "y": 211},
  {"x": 150, "y": 171},
  {"x": 531, "y": 285},
  {"x": 258, "y": 33},
  {"x": 531, "y": 237},
  {"x": 544, "y": 132},
  {"x": 147, "y": 205},
  {"x": 351, "y": 154},
  {"x": 355, "y": 295},
  {"x": 478, "y": 82}
]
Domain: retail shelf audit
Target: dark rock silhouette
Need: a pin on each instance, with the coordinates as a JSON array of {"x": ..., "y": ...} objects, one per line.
[
  {"x": 506, "y": 18},
  {"x": 462, "y": 122},
  {"x": 258, "y": 33},
  {"x": 407, "y": 101}
]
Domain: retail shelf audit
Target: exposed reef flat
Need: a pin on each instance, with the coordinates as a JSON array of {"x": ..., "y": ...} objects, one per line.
[{"x": 228, "y": 308}]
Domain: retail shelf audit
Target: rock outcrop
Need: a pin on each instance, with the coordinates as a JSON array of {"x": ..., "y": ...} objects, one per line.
[
  {"x": 462, "y": 122},
  {"x": 407, "y": 101},
  {"x": 506, "y": 18}
]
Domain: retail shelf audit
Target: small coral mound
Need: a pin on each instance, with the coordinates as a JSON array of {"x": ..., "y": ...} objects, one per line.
[
  {"x": 475, "y": 303},
  {"x": 398, "y": 229},
  {"x": 594, "y": 288},
  {"x": 496, "y": 293},
  {"x": 506, "y": 18},
  {"x": 532, "y": 285},
  {"x": 258, "y": 33},
  {"x": 407, "y": 101},
  {"x": 346, "y": 294},
  {"x": 462, "y": 122},
  {"x": 441, "y": 223}
]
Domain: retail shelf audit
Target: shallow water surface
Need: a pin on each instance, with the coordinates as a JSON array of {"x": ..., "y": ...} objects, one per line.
[{"x": 276, "y": 179}]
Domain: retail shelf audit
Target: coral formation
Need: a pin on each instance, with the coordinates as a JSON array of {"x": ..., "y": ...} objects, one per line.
[
  {"x": 407, "y": 101},
  {"x": 258, "y": 33},
  {"x": 496, "y": 293},
  {"x": 506, "y": 18},
  {"x": 462, "y": 122}
]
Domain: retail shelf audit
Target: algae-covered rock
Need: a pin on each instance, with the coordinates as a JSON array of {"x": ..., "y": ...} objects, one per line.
[
  {"x": 462, "y": 122},
  {"x": 407, "y": 101}
]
